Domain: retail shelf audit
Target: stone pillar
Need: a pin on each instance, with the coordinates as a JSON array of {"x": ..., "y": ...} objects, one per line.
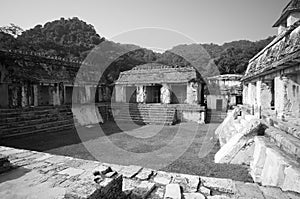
[
  {"x": 65, "y": 94},
  {"x": 165, "y": 94},
  {"x": 249, "y": 94},
  {"x": 35, "y": 95},
  {"x": 266, "y": 95},
  {"x": 24, "y": 101},
  {"x": 191, "y": 93},
  {"x": 258, "y": 98},
  {"x": 141, "y": 94},
  {"x": 119, "y": 93},
  {"x": 55, "y": 95},
  {"x": 245, "y": 94},
  {"x": 87, "y": 89},
  {"x": 281, "y": 95}
]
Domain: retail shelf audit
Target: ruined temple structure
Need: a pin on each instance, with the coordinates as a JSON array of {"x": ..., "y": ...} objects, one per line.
[
  {"x": 264, "y": 133},
  {"x": 30, "y": 80},
  {"x": 37, "y": 92},
  {"x": 227, "y": 94},
  {"x": 271, "y": 83},
  {"x": 174, "y": 88}
]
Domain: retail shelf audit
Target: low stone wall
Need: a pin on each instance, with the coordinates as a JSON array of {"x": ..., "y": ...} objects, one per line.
[
  {"x": 270, "y": 153},
  {"x": 42, "y": 175}
]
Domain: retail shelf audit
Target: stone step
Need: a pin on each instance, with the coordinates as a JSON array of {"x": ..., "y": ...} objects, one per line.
[
  {"x": 19, "y": 110},
  {"x": 48, "y": 130},
  {"x": 168, "y": 122},
  {"x": 33, "y": 112},
  {"x": 32, "y": 116},
  {"x": 285, "y": 141},
  {"x": 36, "y": 127},
  {"x": 271, "y": 166},
  {"x": 34, "y": 122},
  {"x": 31, "y": 109}
]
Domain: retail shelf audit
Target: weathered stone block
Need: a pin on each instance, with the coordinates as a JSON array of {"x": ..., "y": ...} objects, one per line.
[
  {"x": 143, "y": 190},
  {"x": 222, "y": 185},
  {"x": 162, "y": 178},
  {"x": 193, "y": 196},
  {"x": 247, "y": 190},
  {"x": 145, "y": 174},
  {"x": 292, "y": 179},
  {"x": 172, "y": 191},
  {"x": 273, "y": 193},
  {"x": 130, "y": 171}
]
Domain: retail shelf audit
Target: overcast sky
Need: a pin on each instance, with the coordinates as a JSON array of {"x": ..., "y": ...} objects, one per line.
[{"x": 202, "y": 21}]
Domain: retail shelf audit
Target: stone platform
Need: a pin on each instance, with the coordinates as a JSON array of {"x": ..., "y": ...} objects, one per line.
[{"x": 41, "y": 175}]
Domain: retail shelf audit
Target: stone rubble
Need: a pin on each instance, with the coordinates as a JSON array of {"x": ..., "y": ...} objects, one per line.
[{"x": 65, "y": 177}]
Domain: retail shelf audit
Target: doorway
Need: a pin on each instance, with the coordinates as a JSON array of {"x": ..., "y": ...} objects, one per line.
[
  {"x": 219, "y": 104},
  {"x": 153, "y": 94}
]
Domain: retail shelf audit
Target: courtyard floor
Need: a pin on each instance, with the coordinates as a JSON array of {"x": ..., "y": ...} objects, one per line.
[{"x": 185, "y": 148}]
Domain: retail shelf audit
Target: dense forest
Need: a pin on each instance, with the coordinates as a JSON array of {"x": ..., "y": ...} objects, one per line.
[{"x": 75, "y": 39}]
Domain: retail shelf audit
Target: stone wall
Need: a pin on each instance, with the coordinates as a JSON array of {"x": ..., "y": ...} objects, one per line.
[{"x": 43, "y": 175}]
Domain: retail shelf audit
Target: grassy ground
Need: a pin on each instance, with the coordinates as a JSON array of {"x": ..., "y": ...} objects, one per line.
[{"x": 137, "y": 142}]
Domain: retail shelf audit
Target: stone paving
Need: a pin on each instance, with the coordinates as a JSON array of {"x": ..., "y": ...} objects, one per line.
[{"x": 40, "y": 175}]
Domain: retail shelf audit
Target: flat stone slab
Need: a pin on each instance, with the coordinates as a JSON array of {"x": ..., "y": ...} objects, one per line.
[
  {"x": 222, "y": 185},
  {"x": 193, "y": 196},
  {"x": 162, "y": 178},
  {"x": 172, "y": 191},
  {"x": 130, "y": 171},
  {"x": 145, "y": 174}
]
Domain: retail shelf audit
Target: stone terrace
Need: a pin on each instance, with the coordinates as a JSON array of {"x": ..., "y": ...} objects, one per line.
[{"x": 41, "y": 175}]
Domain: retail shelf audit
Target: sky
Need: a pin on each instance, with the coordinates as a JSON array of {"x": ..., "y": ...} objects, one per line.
[{"x": 158, "y": 24}]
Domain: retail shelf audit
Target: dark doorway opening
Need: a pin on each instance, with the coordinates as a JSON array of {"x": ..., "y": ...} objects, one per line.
[
  {"x": 219, "y": 104},
  {"x": 153, "y": 94}
]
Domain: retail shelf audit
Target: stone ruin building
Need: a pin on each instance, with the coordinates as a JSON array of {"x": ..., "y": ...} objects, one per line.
[
  {"x": 271, "y": 82},
  {"x": 29, "y": 80},
  {"x": 228, "y": 92},
  {"x": 264, "y": 132},
  {"x": 174, "y": 89},
  {"x": 33, "y": 83}
]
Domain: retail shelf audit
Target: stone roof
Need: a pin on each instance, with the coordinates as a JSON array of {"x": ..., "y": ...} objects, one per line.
[
  {"x": 282, "y": 52},
  {"x": 155, "y": 73},
  {"x": 33, "y": 67},
  {"x": 229, "y": 77},
  {"x": 293, "y": 6}
]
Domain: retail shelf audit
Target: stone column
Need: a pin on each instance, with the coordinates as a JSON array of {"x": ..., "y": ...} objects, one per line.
[
  {"x": 281, "y": 95},
  {"x": 119, "y": 93},
  {"x": 266, "y": 95},
  {"x": 165, "y": 94},
  {"x": 191, "y": 93},
  {"x": 55, "y": 94},
  {"x": 258, "y": 98},
  {"x": 24, "y": 101},
  {"x": 87, "y": 89},
  {"x": 141, "y": 94},
  {"x": 35, "y": 95},
  {"x": 245, "y": 94}
]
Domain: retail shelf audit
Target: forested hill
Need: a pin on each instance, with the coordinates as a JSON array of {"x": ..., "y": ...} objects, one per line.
[
  {"x": 68, "y": 38},
  {"x": 74, "y": 39},
  {"x": 230, "y": 58}
]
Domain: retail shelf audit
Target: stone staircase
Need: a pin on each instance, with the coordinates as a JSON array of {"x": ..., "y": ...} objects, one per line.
[
  {"x": 144, "y": 113},
  {"x": 270, "y": 146},
  {"x": 286, "y": 136},
  {"x": 17, "y": 122},
  {"x": 213, "y": 116}
]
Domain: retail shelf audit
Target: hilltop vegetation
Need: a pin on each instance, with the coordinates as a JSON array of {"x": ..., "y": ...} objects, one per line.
[{"x": 75, "y": 39}]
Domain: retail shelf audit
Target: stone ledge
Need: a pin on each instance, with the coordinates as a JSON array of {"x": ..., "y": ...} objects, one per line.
[
  {"x": 53, "y": 176},
  {"x": 285, "y": 141}
]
